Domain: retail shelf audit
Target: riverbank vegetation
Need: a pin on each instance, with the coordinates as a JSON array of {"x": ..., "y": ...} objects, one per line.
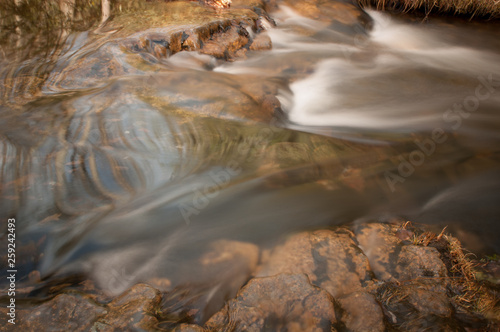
[{"x": 488, "y": 9}]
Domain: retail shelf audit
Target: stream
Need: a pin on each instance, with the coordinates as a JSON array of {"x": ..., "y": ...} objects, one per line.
[{"x": 121, "y": 179}]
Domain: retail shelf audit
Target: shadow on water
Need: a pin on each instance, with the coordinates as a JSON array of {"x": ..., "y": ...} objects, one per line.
[{"x": 126, "y": 178}]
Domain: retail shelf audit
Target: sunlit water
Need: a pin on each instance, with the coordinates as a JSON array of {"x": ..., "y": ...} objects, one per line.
[{"x": 122, "y": 180}]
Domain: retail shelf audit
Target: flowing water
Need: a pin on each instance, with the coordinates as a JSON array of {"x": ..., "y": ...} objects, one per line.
[{"x": 125, "y": 179}]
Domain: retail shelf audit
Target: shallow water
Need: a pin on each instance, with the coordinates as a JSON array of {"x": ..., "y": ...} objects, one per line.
[{"x": 129, "y": 178}]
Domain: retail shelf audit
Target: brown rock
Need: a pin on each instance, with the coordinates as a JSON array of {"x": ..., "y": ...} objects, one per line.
[
  {"x": 425, "y": 278},
  {"x": 404, "y": 234},
  {"x": 231, "y": 262},
  {"x": 203, "y": 285},
  {"x": 217, "y": 4},
  {"x": 225, "y": 45},
  {"x": 63, "y": 313},
  {"x": 162, "y": 284},
  {"x": 428, "y": 299},
  {"x": 132, "y": 310},
  {"x": 144, "y": 37},
  {"x": 284, "y": 301},
  {"x": 261, "y": 42},
  {"x": 229, "y": 265},
  {"x": 91, "y": 70},
  {"x": 420, "y": 262},
  {"x": 212, "y": 94},
  {"x": 330, "y": 259},
  {"x": 417, "y": 306},
  {"x": 160, "y": 51},
  {"x": 362, "y": 312},
  {"x": 225, "y": 252},
  {"x": 381, "y": 247},
  {"x": 192, "y": 43},
  {"x": 414, "y": 296}
]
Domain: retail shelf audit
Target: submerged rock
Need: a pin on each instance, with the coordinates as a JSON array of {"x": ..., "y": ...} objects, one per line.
[
  {"x": 134, "y": 310},
  {"x": 203, "y": 284},
  {"x": 228, "y": 265},
  {"x": 212, "y": 94},
  {"x": 65, "y": 312}
]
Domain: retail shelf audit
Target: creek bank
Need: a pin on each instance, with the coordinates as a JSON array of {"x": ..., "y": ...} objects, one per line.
[{"x": 482, "y": 10}]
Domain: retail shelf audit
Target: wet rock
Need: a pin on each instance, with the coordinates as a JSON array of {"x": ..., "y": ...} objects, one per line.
[
  {"x": 429, "y": 300},
  {"x": 134, "y": 310},
  {"x": 92, "y": 70},
  {"x": 489, "y": 272},
  {"x": 202, "y": 285},
  {"x": 416, "y": 262},
  {"x": 415, "y": 306},
  {"x": 148, "y": 36},
  {"x": 381, "y": 247},
  {"x": 392, "y": 259},
  {"x": 212, "y": 94},
  {"x": 162, "y": 284},
  {"x": 261, "y": 42},
  {"x": 228, "y": 264},
  {"x": 404, "y": 234},
  {"x": 65, "y": 312},
  {"x": 226, "y": 45},
  {"x": 280, "y": 302},
  {"x": 331, "y": 259},
  {"x": 415, "y": 294},
  {"x": 217, "y": 4},
  {"x": 361, "y": 312},
  {"x": 225, "y": 254}
]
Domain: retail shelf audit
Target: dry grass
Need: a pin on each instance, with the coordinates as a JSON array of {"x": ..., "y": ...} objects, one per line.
[
  {"x": 472, "y": 294},
  {"x": 469, "y": 292},
  {"x": 426, "y": 238},
  {"x": 489, "y": 9}
]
